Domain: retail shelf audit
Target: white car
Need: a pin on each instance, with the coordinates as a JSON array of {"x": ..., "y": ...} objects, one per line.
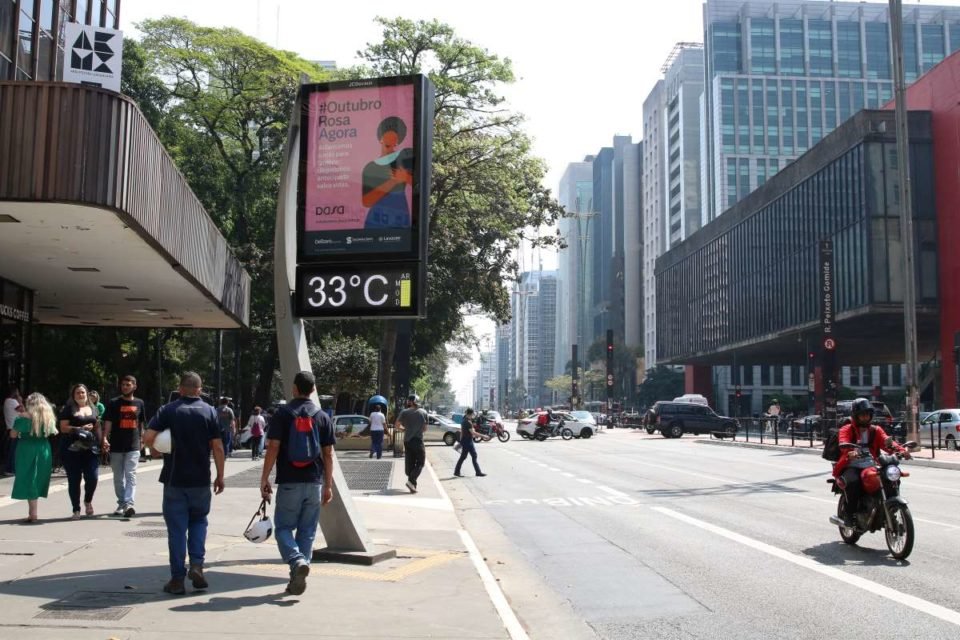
[
  {"x": 440, "y": 428},
  {"x": 580, "y": 428},
  {"x": 351, "y": 426},
  {"x": 944, "y": 423}
]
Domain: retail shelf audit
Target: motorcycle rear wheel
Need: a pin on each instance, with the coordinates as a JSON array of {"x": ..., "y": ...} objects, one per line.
[
  {"x": 850, "y": 536},
  {"x": 503, "y": 436},
  {"x": 540, "y": 436},
  {"x": 900, "y": 541}
]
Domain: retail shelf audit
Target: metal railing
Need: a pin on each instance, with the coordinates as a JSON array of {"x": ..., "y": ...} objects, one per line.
[{"x": 797, "y": 432}]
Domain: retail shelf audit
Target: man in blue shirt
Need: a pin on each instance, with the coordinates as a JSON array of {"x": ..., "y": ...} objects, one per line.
[
  {"x": 195, "y": 432},
  {"x": 299, "y": 495}
]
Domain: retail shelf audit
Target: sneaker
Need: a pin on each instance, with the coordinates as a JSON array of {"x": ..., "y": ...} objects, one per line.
[
  {"x": 459, "y": 475},
  {"x": 175, "y": 587},
  {"x": 196, "y": 577},
  {"x": 481, "y": 474},
  {"x": 412, "y": 487},
  {"x": 118, "y": 511},
  {"x": 129, "y": 512},
  {"x": 298, "y": 578}
]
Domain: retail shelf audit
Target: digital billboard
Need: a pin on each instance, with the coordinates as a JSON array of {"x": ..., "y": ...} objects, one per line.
[{"x": 364, "y": 169}]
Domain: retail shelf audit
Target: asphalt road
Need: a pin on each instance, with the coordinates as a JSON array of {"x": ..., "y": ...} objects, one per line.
[{"x": 627, "y": 535}]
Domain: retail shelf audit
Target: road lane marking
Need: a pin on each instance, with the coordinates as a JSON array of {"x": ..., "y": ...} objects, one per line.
[
  {"x": 569, "y": 475},
  {"x": 554, "y": 469},
  {"x": 584, "y": 481},
  {"x": 615, "y": 499},
  {"x": 507, "y": 616},
  {"x": 918, "y": 604}
]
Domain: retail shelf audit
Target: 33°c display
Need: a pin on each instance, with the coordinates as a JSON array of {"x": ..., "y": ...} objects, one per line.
[{"x": 345, "y": 291}]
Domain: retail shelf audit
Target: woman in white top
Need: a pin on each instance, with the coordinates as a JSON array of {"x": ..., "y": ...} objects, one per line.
[{"x": 377, "y": 422}]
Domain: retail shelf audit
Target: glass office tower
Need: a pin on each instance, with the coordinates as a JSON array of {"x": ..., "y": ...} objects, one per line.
[{"x": 781, "y": 75}]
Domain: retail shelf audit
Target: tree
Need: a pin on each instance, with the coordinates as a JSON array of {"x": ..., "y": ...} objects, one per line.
[
  {"x": 661, "y": 383},
  {"x": 227, "y": 102},
  {"x": 486, "y": 190},
  {"x": 624, "y": 365},
  {"x": 562, "y": 384},
  {"x": 344, "y": 365}
]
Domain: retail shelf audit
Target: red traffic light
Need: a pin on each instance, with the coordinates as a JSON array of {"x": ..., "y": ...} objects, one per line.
[
  {"x": 811, "y": 355},
  {"x": 609, "y": 347}
]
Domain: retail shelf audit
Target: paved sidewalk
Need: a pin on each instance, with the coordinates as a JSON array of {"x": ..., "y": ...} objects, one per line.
[{"x": 101, "y": 577}]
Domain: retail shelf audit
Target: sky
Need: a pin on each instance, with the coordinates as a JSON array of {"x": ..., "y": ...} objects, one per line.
[{"x": 582, "y": 69}]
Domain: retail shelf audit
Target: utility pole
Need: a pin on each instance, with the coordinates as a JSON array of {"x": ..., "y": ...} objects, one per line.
[{"x": 906, "y": 217}]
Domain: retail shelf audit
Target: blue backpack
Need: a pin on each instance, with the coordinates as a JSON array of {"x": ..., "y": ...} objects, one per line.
[{"x": 303, "y": 437}]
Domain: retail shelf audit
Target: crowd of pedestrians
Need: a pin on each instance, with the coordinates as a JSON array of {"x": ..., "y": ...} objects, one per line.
[{"x": 189, "y": 431}]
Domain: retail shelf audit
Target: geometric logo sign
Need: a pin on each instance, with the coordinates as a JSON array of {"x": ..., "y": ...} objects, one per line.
[{"x": 94, "y": 56}]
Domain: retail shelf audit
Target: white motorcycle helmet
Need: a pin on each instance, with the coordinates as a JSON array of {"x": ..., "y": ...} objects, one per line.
[
  {"x": 260, "y": 527},
  {"x": 163, "y": 442}
]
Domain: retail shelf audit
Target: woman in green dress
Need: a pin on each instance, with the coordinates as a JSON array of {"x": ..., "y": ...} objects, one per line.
[{"x": 34, "y": 458}]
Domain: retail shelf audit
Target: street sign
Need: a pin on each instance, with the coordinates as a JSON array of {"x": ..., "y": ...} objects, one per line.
[{"x": 829, "y": 344}]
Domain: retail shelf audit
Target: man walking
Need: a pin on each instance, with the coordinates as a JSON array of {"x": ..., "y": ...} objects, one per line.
[
  {"x": 412, "y": 421},
  {"x": 228, "y": 425},
  {"x": 123, "y": 423},
  {"x": 194, "y": 432},
  {"x": 300, "y": 441}
]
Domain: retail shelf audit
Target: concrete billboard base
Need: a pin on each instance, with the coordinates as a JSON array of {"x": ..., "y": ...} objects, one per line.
[{"x": 345, "y": 556}]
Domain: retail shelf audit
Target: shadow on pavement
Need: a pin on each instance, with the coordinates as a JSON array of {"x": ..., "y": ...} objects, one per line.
[
  {"x": 733, "y": 488},
  {"x": 217, "y": 604},
  {"x": 839, "y": 554}
]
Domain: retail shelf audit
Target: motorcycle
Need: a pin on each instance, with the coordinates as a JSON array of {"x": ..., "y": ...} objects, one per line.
[
  {"x": 490, "y": 428},
  {"x": 552, "y": 430},
  {"x": 881, "y": 505}
]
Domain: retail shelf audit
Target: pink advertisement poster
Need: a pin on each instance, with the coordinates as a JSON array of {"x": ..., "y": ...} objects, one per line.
[{"x": 360, "y": 159}]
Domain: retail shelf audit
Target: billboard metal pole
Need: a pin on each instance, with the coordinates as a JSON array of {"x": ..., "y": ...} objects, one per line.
[
  {"x": 343, "y": 529},
  {"x": 906, "y": 218}
]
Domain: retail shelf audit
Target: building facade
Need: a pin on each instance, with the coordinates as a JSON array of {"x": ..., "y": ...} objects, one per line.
[
  {"x": 32, "y": 33},
  {"x": 780, "y": 75},
  {"x": 672, "y": 202},
  {"x": 574, "y": 261},
  {"x": 744, "y": 289},
  {"x": 82, "y": 171}
]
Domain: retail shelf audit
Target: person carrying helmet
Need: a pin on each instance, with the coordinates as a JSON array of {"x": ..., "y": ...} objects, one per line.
[
  {"x": 300, "y": 440},
  {"x": 412, "y": 421},
  {"x": 860, "y": 431}
]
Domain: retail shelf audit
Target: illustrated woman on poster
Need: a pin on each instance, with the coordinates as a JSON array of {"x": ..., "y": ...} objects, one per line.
[{"x": 385, "y": 180}]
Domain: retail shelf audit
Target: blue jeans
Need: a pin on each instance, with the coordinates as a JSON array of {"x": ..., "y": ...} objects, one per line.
[
  {"x": 185, "y": 511},
  {"x": 376, "y": 443},
  {"x": 227, "y": 436},
  {"x": 298, "y": 507},
  {"x": 467, "y": 448},
  {"x": 124, "y": 465}
]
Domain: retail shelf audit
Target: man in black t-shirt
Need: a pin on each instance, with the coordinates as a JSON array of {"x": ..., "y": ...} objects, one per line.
[
  {"x": 123, "y": 424},
  {"x": 195, "y": 432},
  {"x": 299, "y": 495}
]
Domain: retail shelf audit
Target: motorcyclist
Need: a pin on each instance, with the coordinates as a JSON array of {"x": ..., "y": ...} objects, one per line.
[{"x": 860, "y": 431}]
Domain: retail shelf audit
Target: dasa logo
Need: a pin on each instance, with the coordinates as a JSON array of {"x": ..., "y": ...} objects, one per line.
[{"x": 87, "y": 57}]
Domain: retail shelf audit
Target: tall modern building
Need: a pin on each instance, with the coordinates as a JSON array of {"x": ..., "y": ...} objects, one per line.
[
  {"x": 672, "y": 201},
  {"x": 504, "y": 379},
  {"x": 533, "y": 334},
  {"x": 780, "y": 75},
  {"x": 485, "y": 392},
  {"x": 617, "y": 205},
  {"x": 574, "y": 261}
]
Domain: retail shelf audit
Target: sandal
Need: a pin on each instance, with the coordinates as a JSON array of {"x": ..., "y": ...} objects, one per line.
[{"x": 89, "y": 508}]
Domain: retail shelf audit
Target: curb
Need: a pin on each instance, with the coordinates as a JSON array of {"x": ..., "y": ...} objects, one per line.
[{"x": 918, "y": 462}]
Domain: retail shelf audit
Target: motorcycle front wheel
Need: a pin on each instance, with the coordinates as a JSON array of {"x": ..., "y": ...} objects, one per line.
[
  {"x": 900, "y": 538},
  {"x": 503, "y": 436},
  {"x": 848, "y": 535}
]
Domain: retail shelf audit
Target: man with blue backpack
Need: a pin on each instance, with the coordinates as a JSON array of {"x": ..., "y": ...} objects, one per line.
[{"x": 300, "y": 441}]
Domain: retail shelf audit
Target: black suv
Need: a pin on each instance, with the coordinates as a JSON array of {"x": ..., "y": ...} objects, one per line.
[{"x": 674, "y": 419}]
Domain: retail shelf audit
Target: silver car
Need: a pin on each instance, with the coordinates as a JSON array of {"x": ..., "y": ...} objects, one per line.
[{"x": 943, "y": 425}]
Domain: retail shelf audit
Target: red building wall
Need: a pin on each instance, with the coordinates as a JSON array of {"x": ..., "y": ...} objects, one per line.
[{"x": 938, "y": 91}]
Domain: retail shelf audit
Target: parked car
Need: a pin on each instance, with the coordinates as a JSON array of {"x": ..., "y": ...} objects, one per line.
[
  {"x": 673, "y": 419},
  {"x": 528, "y": 425},
  {"x": 440, "y": 429},
  {"x": 881, "y": 413},
  {"x": 694, "y": 398},
  {"x": 351, "y": 426},
  {"x": 942, "y": 425}
]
